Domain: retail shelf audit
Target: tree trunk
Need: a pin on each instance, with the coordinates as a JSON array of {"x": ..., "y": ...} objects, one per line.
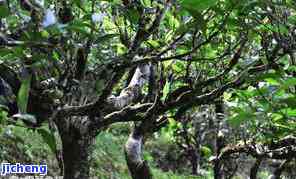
[
  {"x": 194, "y": 162},
  {"x": 278, "y": 171},
  {"x": 255, "y": 168},
  {"x": 218, "y": 173},
  {"x": 76, "y": 156},
  {"x": 194, "y": 165},
  {"x": 138, "y": 168},
  {"x": 220, "y": 141}
]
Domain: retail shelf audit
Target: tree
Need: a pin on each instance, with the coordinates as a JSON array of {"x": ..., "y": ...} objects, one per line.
[{"x": 69, "y": 62}]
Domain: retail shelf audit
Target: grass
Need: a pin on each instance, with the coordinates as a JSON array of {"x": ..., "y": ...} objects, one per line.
[{"x": 27, "y": 146}]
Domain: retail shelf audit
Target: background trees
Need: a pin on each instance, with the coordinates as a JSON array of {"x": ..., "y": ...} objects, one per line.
[{"x": 80, "y": 66}]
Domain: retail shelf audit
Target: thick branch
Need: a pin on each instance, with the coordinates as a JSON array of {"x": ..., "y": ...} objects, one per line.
[
  {"x": 283, "y": 149},
  {"x": 133, "y": 152},
  {"x": 143, "y": 33},
  {"x": 127, "y": 96},
  {"x": 255, "y": 168},
  {"x": 14, "y": 43},
  {"x": 131, "y": 93},
  {"x": 129, "y": 113},
  {"x": 278, "y": 171}
]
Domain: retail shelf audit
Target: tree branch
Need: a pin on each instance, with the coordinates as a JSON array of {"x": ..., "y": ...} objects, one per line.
[
  {"x": 282, "y": 149},
  {"x": 129, "y": 113}
]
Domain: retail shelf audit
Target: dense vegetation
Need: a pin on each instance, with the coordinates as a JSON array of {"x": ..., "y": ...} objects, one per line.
[{"x": 149, "y": 88}]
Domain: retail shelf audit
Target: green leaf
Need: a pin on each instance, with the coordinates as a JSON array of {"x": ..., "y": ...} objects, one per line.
[
  {"x": 283, "y": 29},
  {"x": 292, "y": 68},
  {"x": 166, "y": 90},
  {"x": 276, "y": 117},
  {"x": 3, "y": 107},
  {"x": 206, "y": 151},
  {"x": 292, "y": 19},
  {"x": 121, "y": 49},
  {"x": 49, "y": 138},
  {"x": 147, "y": 157},
  {"x": 183, "y": 28},
  {"x": 146, "y": 3},
  {"x": 133, "y": 16},
  {"x": 268, "y": 76},
  {"x": 23, "y": 94},
  {"x": 240, "y": 117},
  {"x": 3, "y": 116},
  {"x": 105, "y": 38},
  {"x": 113, "y": 1},
  {"x": 272, "y": 81},
  {"x": 172, "y": 21},
  {"x": 290, "y": 101},
  {"x": 80, "y": 4},
  {"x": 4, "y": 11},
  {"x": 80, "y": 27},
  {"x": 289, "y": 82},
  {"x": 289, "y": 112},
  {"x": 179, "y": 66},
  {"x": 197, "y": 5},
  {"x": 153, "y": 43}
]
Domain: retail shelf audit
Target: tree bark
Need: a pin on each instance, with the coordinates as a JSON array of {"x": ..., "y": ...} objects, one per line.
[
  {"x": 76, "y": 153},
  {"x": 255, "y": 168},
  {"x": 218, "y": 173},
  {"x": 76, "y": 158},
  {"x": 278, "y": 171},
  {"x": 194, "y": 162},
  {"x": 220, "y": 141},
  {"x": 138, "y": 167}
]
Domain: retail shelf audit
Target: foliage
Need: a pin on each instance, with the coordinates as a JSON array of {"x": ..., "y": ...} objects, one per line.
[
  {"x": 108, "y": 160},
  {"x": 69, "y": 65}
]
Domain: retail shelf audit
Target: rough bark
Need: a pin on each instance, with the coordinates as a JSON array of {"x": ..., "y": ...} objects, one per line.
[
  {"x": 282, "y": 149},
  {"x": 194, "y": 162},
  {"x": 76, "y": 155},
  {"x": 220, "y": 142},
  {"x": 218, "y": 173},
  {"x": 278, "y": 171},
  {"x": 138, "y": 167},
  {"x": 77, "y": 134},
  {"x": 255, "y": 168},
  {"x": 132, "y": 92}
]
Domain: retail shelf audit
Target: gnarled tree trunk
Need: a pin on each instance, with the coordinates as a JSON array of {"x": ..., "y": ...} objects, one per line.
[
  {"x": 138, "y": 167},
  {"x": 220, "y": 142},
  {"x": 78, "y": 134},
  {"x": 255, "y": 168},
  {"x": 77, "y": 140},
  {"x": 76, "y": 157}
]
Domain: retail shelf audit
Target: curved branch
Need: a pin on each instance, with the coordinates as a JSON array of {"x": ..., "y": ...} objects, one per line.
[
  {"x": 138, "y": 167},
  {"x": 129, "y": 113},
  {"x": 255, "y": 168},
  {"x": 282, "y": 149}
]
